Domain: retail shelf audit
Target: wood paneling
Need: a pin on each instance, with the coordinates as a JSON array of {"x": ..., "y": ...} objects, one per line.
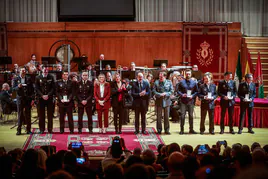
[
  {"x": 36, "y": 26},
  {"x": 142, "y": 47}
]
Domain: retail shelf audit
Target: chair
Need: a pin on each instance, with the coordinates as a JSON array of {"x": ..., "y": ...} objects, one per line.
[{"x": 6, "y": 113}]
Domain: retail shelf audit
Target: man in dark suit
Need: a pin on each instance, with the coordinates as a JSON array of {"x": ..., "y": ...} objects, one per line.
[
  {"x": 227, "y": 91},
  {"x": 45, "y": 89},
  {"x": 84, "y": 94},
  {"x": 246, "y": 93},
  {"x": 140, "y": 92},
  {"x": 187, "y": 90},
  {"x": 162, "y": 90},
  {"x": 8, "y": 105},
  {"x": 64, "y": 92},
  {"x": 23, "y": 86},
  {"x": 207, "y": 94}
]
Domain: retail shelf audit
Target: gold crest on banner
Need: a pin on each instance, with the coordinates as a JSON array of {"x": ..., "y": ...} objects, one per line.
[{"x": 204, "y": 54}]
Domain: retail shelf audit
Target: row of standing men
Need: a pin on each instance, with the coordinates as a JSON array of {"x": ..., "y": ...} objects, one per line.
[{"x": 116, "y": 93}]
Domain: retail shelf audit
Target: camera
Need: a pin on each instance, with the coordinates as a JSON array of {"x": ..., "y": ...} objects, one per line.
[
  {"x": 116, "y": 139},
  {"x": 80, "y": 160},
  {"x": 222, "y": 142},
  {"x": 76, "y": 145},
  {"x": 202, "y": 149}
]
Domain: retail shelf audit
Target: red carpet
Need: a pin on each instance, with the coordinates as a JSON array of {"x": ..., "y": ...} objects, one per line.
[{"x": 95, "y": 144}]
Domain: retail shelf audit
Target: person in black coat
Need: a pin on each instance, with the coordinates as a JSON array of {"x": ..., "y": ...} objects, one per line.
[
  {"x": 84, "y": 94},
  {"x": 64, "y": 92},
  {"x": 140, "y": 92},
  {"x": 23, "y": 86},
  {"x": 246, "y": 93},
  {"x": 225, "y": 87},
  {"x": 45, "y": 89},
  {"x": 8, "y": 105},
  {"x": 118, "y": 90},
  {"x": 207, "y": 94}
]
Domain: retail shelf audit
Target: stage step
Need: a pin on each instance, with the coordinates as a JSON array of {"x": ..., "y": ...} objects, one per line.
[
  {"x": 255, "y": 45},
  {"x": 85, "y": 121}
]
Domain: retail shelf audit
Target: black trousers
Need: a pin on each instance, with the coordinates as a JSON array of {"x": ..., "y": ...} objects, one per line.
[
  {"x": 230, "y": 117},
  {"x": 24, "y": 113},
  {"x": 204, "y": 110},
  {"x": 142, "y": 112},
  {"x": 42, "y": 105},
  {"x": 190, "y": 109},
  {"x": 126, "y": 116},
  {"x": 243, "y": 109},
  {"x": 88, "y": 110},
  {"x": 69, "y": 112},
  {"x": 118, "y": 116}
]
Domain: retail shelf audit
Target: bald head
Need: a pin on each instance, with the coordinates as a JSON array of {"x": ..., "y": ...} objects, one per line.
[
  {"x": 140, "y": 76},
  {"x": 175, "y": 161},
  {"x": 5, "y": 87}
]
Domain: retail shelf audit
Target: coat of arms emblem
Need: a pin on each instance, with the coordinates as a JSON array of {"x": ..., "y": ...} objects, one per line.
[{"x": 204, "y": 54}]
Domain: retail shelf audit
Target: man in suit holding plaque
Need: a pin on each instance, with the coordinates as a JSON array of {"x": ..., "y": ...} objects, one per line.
[
  {"x": 23, "y": 86},
  {"x": 207, "y": 94},
  {"x": 187, "y": 90},
  {"x": 246, "y": 93},
  {"x": 64, "y": 92},
  {"x": 227, "y": 91},
  {"x": 162, "y": 90},
  {"x": 140, "y": 92}
]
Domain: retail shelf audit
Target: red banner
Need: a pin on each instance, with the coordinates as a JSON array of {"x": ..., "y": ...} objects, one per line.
[{"x": 206, "y": 45}]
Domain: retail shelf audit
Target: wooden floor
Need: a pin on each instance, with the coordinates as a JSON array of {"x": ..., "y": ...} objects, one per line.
[{"x": 9, "y": 140}]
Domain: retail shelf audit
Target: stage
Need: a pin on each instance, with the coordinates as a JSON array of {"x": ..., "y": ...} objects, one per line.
[{"x": 9, "y": 140}]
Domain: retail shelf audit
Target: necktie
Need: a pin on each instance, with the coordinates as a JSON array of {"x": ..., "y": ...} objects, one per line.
[{"x": 140, "y": 86}]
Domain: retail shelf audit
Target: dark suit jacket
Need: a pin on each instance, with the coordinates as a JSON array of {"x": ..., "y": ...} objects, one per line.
[
  {"x": 158, "y": 89},
  {"x": 223, "y": 88},
  {"x": 25, "y": 92},
  {"x": 204, "y": 90},
  {"x": 105, "y": 98},
  {"x": 45, "y": 86},
  {"x": 243, "y": 90},
  {"x": 63, "y": 89},
  {"x": 6, "y": 102},
  {"x": 140, "y": 101},
  {"x": 115, "y": 93},
  {"x": 182, "y": 89},
  {"x": 84, "y": 92}
]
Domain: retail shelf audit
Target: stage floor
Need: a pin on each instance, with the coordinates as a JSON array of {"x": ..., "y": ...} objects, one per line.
[{"x": 9, "y": 140}]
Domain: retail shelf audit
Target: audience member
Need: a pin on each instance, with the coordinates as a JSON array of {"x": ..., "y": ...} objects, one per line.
[
  {"x": 137, "y": 171},
  {"x": 175, "y": 165},
  {"x": 113, "y": 171},
  {"x": 60, "y": 175},
  {"x": 149, "y": 158}
]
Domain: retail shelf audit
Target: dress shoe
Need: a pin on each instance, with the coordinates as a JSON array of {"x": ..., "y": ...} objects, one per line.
[
  {"x": 212, "y": 133},
  {"x": 201, "y": 133},
  {"x": 181, "y": 132},
  {"x": 18, "y": 133},
  {"x": 136, "y": 132},
  {"x": 120, "y": 132},
  {"x": 167, "y": 132},
  {"x": 79, "y": 131},
  {"x": 29, "y": 132},
  {"x": 232, "y": 132},
  {"x": 104, "y": 130},
  {"x": 41, "y": 132},
  {"x": 239, "y": 132},
  {"x": 192, "y": 132},
  {"x": 144, "y": 132},
  {"x": 222, "y": 132},
  {"x": 90, "y": 131},
  {"x": 251, "y": 132},
  {"x": 159, "y": 132},
  {"x": 71, "y": 132},
  {"x": 50, "y": 132},
  {"x": 62, "y": 131}
]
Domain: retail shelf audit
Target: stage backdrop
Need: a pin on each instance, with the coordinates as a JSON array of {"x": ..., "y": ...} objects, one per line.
[{"x": 205, "y": 44}]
